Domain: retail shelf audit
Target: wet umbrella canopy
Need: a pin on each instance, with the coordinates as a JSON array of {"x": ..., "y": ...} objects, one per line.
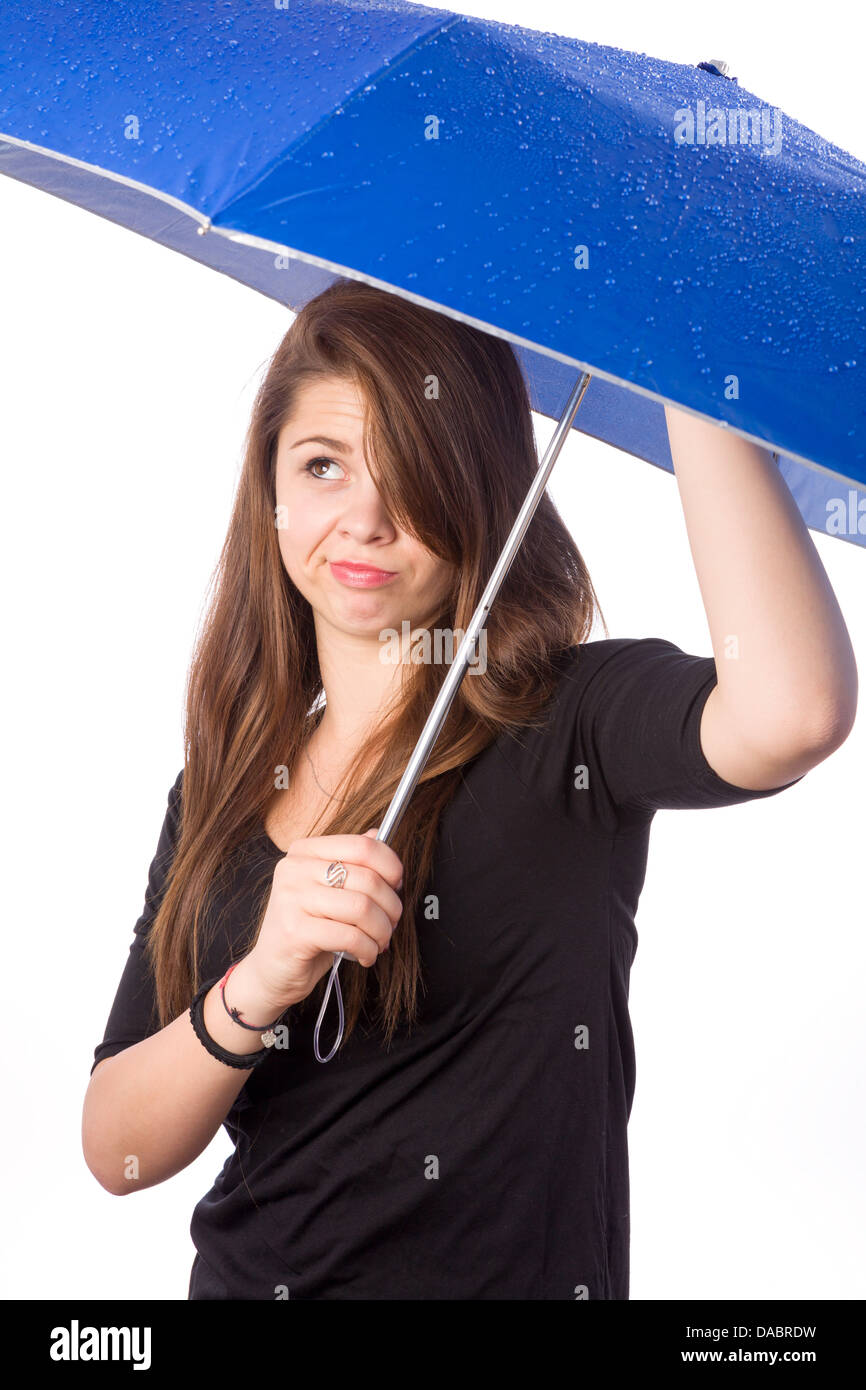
[
  {"x": 640, "y": 231},
  {"x": 650, "y": 222}
]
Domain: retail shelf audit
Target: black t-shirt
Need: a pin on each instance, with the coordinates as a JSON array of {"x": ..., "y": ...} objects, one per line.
[{"x": 485, "y": 1155}]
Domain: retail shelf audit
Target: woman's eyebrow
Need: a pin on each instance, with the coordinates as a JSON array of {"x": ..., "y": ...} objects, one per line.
[{"x": 334, "y": 444}]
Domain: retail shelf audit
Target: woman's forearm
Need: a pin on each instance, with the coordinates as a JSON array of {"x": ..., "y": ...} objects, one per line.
[{"x": 152, "y": 1109}]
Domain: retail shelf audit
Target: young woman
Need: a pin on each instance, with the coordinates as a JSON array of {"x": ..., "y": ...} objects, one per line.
[{"x": 468, "y": 1139}]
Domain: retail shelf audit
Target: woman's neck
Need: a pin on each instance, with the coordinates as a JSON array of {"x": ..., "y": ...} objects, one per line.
[{"x": 359, "y": 688}]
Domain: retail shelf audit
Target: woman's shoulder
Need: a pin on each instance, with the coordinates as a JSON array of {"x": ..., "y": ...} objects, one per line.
[
  {"x": 610, "y": 686},
  {"x": 618, "y": 657}
]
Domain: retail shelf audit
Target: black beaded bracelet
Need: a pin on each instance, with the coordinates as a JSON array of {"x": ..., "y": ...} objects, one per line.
[{"x": 231, "y": 1059}]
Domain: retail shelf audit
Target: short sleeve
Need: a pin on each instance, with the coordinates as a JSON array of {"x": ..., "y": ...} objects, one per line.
[
  {"x": 637, "y": 706},
  {"x": 133, "y": 1014}
]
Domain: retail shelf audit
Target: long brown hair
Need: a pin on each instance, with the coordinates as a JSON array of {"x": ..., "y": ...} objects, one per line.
[{"x": 449, "y": 444}]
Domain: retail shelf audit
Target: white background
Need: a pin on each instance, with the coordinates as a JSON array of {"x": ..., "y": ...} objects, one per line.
[{"x": 128, "y": 374}]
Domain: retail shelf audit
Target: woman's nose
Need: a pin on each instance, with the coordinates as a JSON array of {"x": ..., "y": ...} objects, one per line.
[{"x": 365, "y": 515}]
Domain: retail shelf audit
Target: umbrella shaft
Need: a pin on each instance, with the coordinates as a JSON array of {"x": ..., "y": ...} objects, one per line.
[{"x": 459, "y": 665}]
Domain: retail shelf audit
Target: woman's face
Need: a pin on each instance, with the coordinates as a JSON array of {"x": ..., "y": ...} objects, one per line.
[{"x": 329, "y": 512}]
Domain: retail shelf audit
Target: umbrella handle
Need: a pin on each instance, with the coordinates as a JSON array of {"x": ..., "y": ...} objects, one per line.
[
  {"x": 458, "y": 667},
  {"x": 334, "y": 980}
]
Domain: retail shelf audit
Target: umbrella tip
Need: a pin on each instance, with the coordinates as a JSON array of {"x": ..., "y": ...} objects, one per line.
[{"x": 718, "y": 67}]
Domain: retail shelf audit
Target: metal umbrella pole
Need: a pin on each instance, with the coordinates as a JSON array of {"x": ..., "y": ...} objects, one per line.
[{"x": 457, "y": 670}]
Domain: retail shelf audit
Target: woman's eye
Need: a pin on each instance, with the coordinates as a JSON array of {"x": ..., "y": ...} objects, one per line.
[{"x": 309, "y": 467}]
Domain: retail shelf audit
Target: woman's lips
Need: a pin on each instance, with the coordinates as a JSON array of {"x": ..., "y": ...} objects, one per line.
[{"x": 361, "y": 576}]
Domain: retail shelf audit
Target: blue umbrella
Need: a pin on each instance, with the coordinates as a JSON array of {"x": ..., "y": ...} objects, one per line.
[
  {"x": 639, "y": 231},
  {"x": 595, "y": 207}
]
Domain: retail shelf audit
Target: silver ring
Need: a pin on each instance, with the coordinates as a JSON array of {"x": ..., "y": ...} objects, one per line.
[{"x": 336, "y": 874}]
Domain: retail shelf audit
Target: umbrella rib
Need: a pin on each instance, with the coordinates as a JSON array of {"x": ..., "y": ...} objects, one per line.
[{"x": 104, "y": 173}]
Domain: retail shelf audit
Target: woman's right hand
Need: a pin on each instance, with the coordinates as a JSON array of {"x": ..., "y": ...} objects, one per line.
[{"x": 307, "y": 920}]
